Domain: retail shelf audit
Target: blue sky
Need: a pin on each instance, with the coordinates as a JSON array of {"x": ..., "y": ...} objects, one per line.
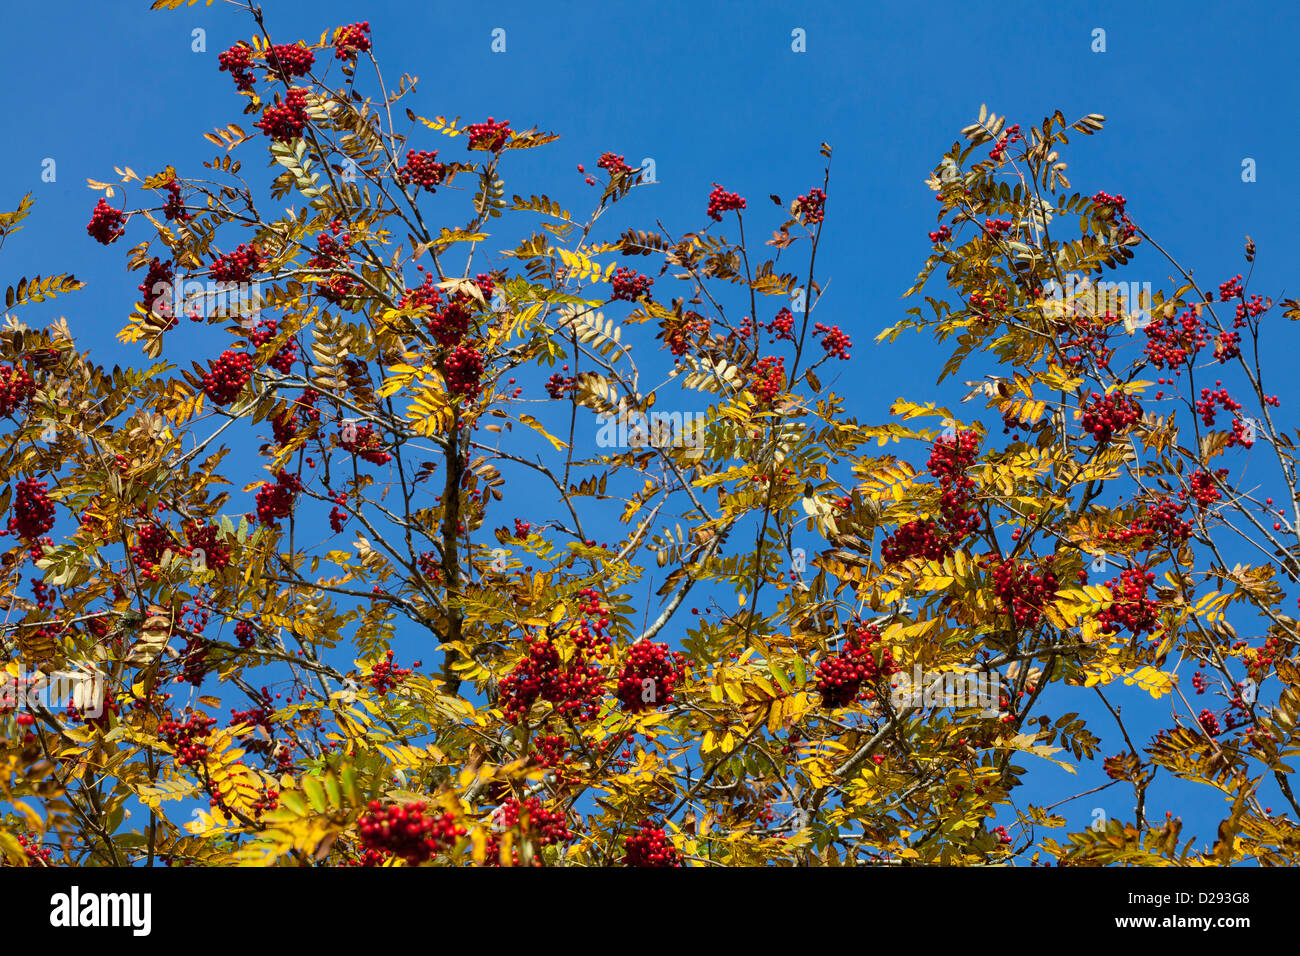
[{"x": 714, "y": 92}]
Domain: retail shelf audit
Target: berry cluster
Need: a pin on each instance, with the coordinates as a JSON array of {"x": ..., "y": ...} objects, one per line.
[
  {"x": 490, "y": 135},
  {"x": 1105, "y": 416},
  {"x": 16, "y": 388},
  {"x": 575, "y": 690},
  {"x": 188, "y": 740},
  {"x": 811, "y": 207},
  {"x": 332, "y": 252},
  {"x": 1202, "y": 487},
  {"x": 928, "y": 538},
  {"x": 629, "y": 285},
  {"x": 384, "y": 676},
  {"x": 238, "y": 61},
  {"x": 351, "y": 40},
  {"x": 282, "y": 361},
  {"x": 614, "y": 164},
  {"x": 275, "y": 501},
  {"x": 1132, "y": 608},
  {"x": 942, "y": 234},
  {"x": 284, "y": 123},
  {"x": 768, "y": 378},
  {"x": 649, "y": 676},
  {"x": 463, "y": 370},
  {"x": 1090, "y": 337},
  {"x": 1209, "y": 723},
  {"x": 649, "y": 846},
  {"x": 1010, "y": 137},
  {"x": 835, "y": 342},
  {"x": 227, "y": 376},
  {"x": 422, "y": 169},
  {"x": 245, "y": 634},
  {"x": 1159, "y": 521},
  {"x": 202, "y": 536},
  {"x": 678, "y": 334},
  {"x": 174, "y": 207},
  {"x": 290, "y": 59},
  {"x": 862, "y": 660},
  {"x": 367, "y": 445},
  {"x": 1023, "y": 592},
  {"x": 557, "y": 386},
  {"x": 721, "y": 201},
  {"x": 545, "y": 827},
  {"x": 33, "y": 510},
  {"x": 1174, "y": 342},
  {"x": 782, "y": 326},
  {"x": 1232, "y": 289},
  {"x": 1116, "y": 204},
  {"x": 997, "y": 228},
  {"x": 236, "y": 267},
  {"x": 1207, "y": 404},
  {"x": 522, "y": 528},
  {"x": 156, "y": 291},
  {"x": 107, "y": 225},
  {"x": 403, "y": 830},
  {"x": 152, "y": 541}
]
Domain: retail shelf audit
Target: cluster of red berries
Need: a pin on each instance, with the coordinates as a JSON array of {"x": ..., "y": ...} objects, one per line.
[
  {"x": 245, "y": 634},
  {"x": 522, "y": 528},
  {"x": 768, "y": 378},
  {"x": 284, "y": 123},
  {"x": 1105, "y": 416},
  {"x": 558, "y": 385},
  {"x": 290, "y": 59},
  {"x": 188, "y": 740},
  {"x": 721, "y": 201},
  {"x": 33, "y": 850},
  {"x": 1010, "y": 137},
  {"x": 463, "y": 370},
  {"x": 384, "y": 676},
  {"x": 332, "y": 253},
  {"x": 997, "y": 228},
  {"x": 174, "y": 207},
  {"x": 238, "y": 61},
  {"x": 834, "y": 341},
  {"x": 984, "y": 305},
  {"x": 202, "y": 536},
  {"x": 107, "y": 225},
  {"x": 422, "y": 169},
  {"x": 679, "y": 334},
  {"x": 629, "y": 285},
  {"x": 282, "y": 361},
  {"x": 153, "y": 541},
  {"x": 275, "y": 501},
  {"x": 588, "y": 635},
  {"x": 614, "y": 164},
  {"x": 1202, "y": 487},
  {"x": 227, "y": 376},
  {"x": 403, "y": 830},
  {"x": 1253, "y": 309},
  {"x": 33, "y": 513},
  {"x": 1132, "y": 608},
  {"x": 1232, "y": 289},
  {"x": 156, "y": 291},
  {"x": 649, "y": 846},
  {"x": 284, "y": 426},
  {"x": 1091, "y": 335},
  {"x": 1117, "y": 203},
  {"x": 1172, "y": 342},
  {"x": 1209, "y": 723},
  {"x": 862, "y": 660},
  {"x": 351, "y": 40},
  {"x": 574, "y": 690},
  {"x": 1023, "y": 592},
  {"x": 942, "y": 234},
  {"x": 237, "y": 267},
  {"x": 1206, "y": 405},
  {"x": 649, "y": 676},
  {"x": 782, "y": 326},
  {"x": 949, "y": 459},
  {"x": 16, "y": 388},
  {"x": 1227, "y": 346},
  {"x": 545, "y": 827},
  {"x": 490, "y": 135},
  {"x": 367, "y": 445},
  {"x": 812, "y": 207},
  {"x": 1161, "y": 520}
]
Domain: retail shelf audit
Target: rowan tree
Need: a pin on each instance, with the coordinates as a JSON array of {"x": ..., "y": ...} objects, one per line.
[{"x": 465, "y": 607}]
